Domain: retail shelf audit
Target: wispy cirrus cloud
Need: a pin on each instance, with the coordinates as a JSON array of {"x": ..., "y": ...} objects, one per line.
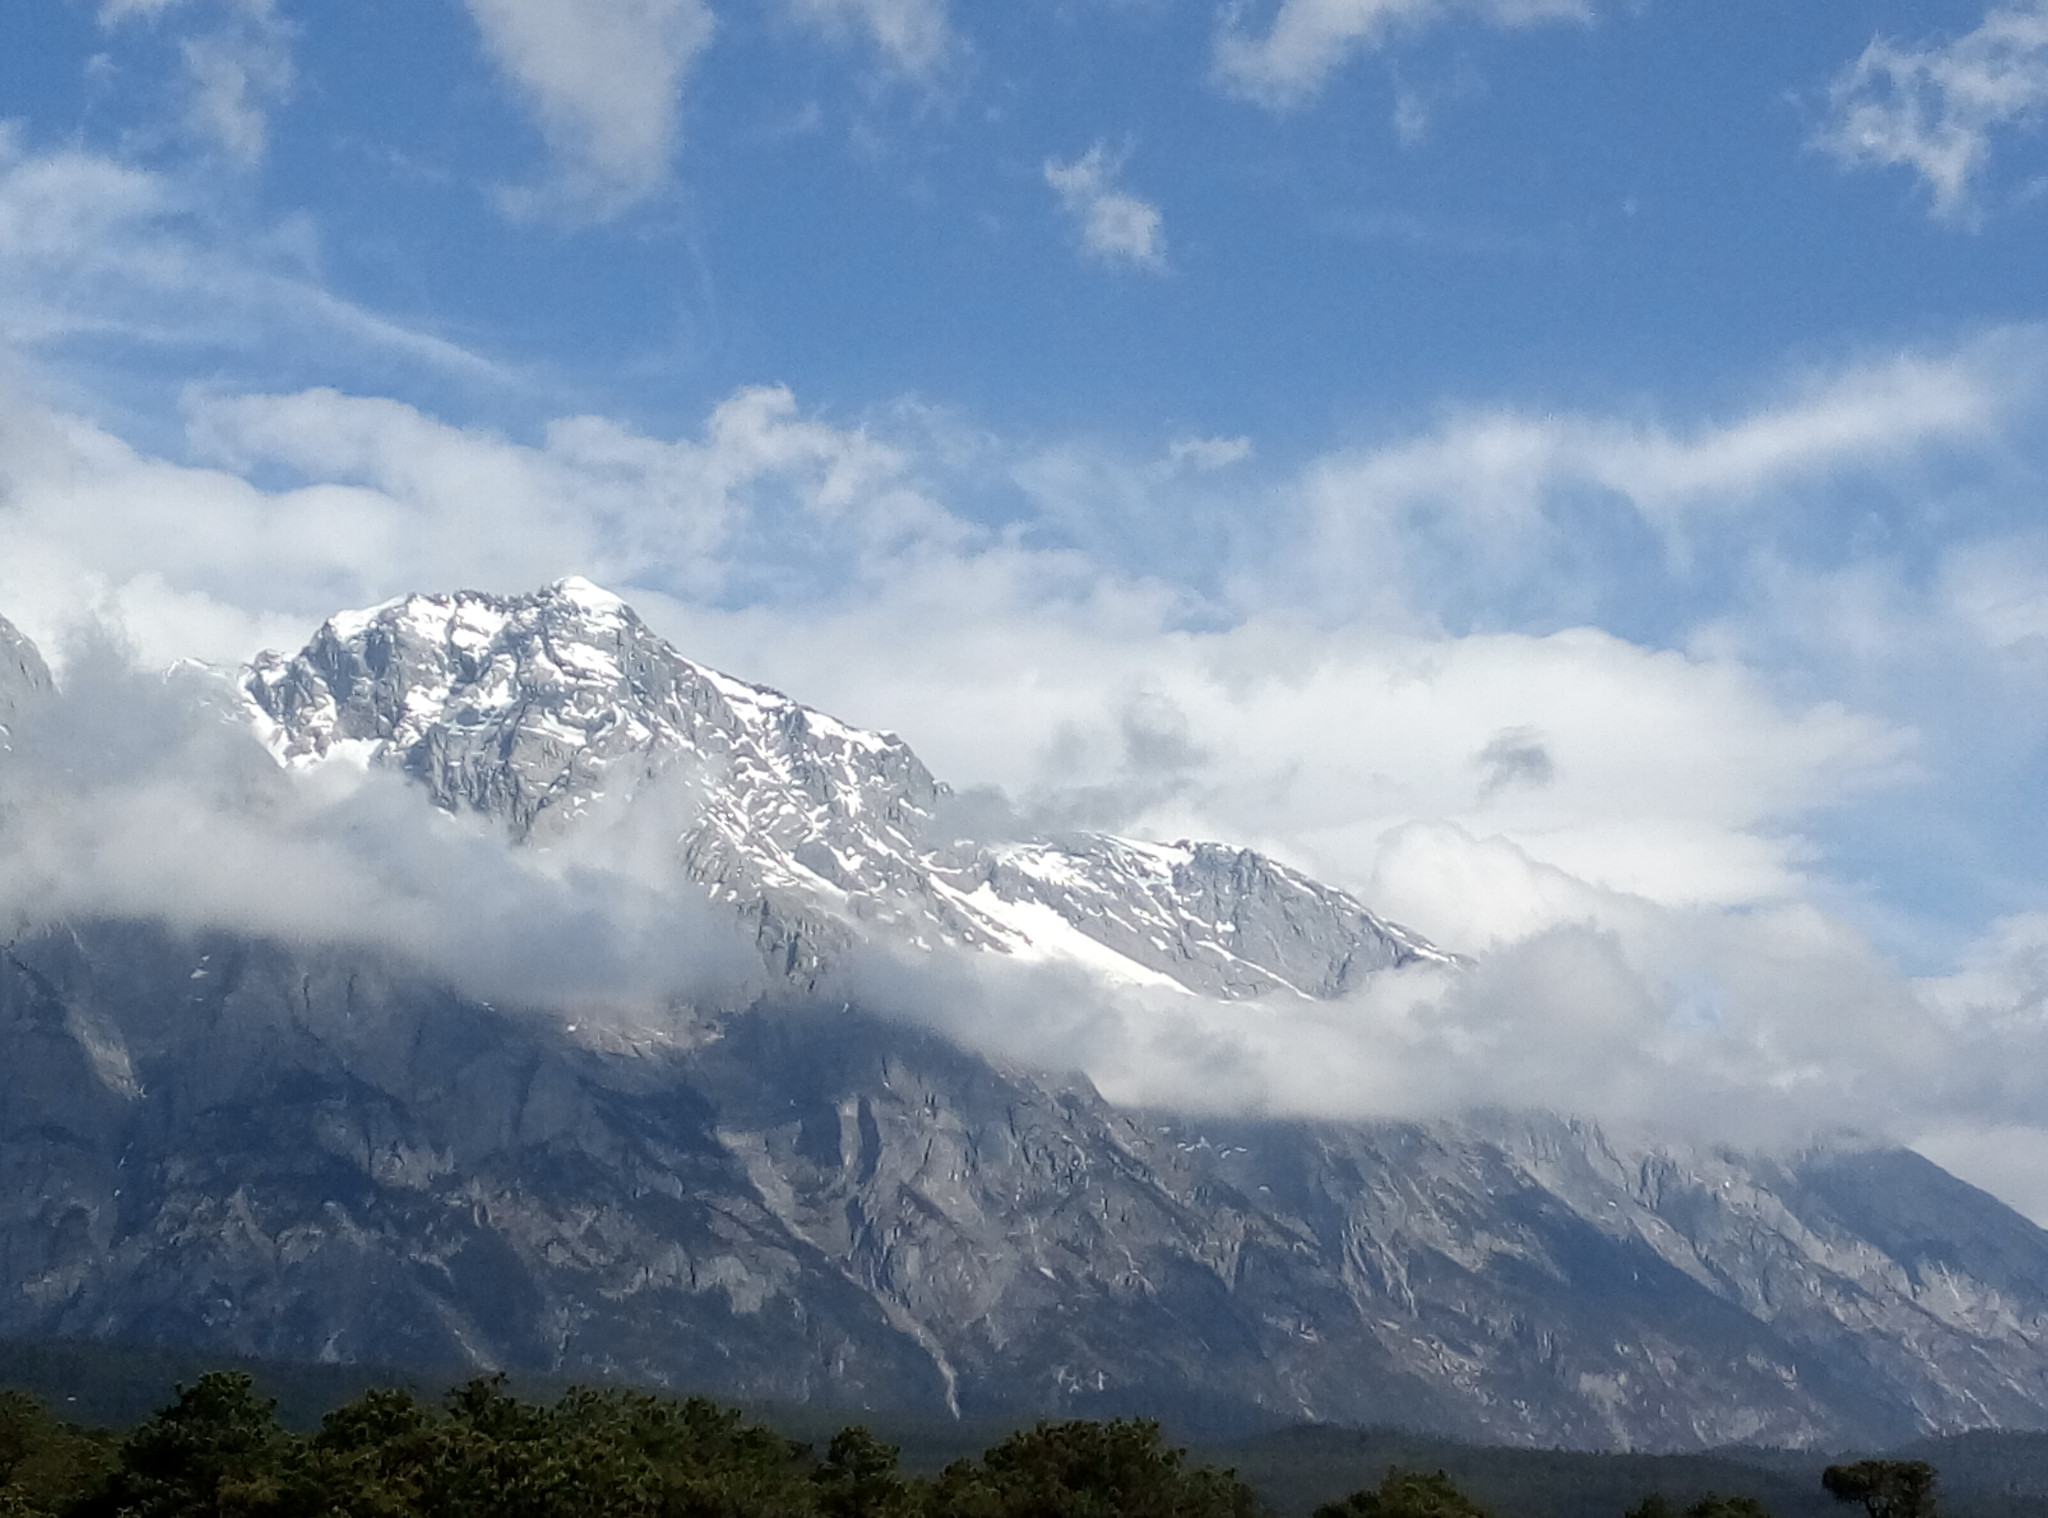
[
  {"x": 1115, "y": 226},
  {"x": 93, "y": 249},
  {"x": 237, "y": 64},
  {"x": 914, "y": 37},
  {"x": 1493, "y": 501},
  {"x": 604, "y": 81},
  {"x": 1935, "y": 109},
  {"x": 1290, "y": 60}
]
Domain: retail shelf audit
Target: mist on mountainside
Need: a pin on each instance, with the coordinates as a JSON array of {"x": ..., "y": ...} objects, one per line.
[{"x": 150, "y": 796}]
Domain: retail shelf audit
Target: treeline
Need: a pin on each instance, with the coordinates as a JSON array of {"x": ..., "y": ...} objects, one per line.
[{"x": 219, "y": 1451}]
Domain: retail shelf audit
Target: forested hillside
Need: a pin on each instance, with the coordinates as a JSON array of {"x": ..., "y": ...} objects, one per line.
[{"x": 334, "y": 1442}]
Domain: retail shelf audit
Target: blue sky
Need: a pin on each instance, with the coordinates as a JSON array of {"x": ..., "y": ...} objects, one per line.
[
  {"x": 1256, "y": 420},
  {"x": 1623, "y": 207}
]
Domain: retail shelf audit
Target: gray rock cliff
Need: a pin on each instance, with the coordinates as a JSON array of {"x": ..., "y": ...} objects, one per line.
[{"x": 222, "y": 1141}]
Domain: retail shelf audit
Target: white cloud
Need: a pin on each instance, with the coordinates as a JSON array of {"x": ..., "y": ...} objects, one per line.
[
  {"x": 812, "y": 556},
  {"x": 1679, "y": 780},
  {"x": 1935, "y": 109},
  {"x": 766, "y": 505},
  {"x": 93, "y": 247},
  {"x": 1998, "y": 591},
  {"x": 1619, "y": 829},
  {"x": 133, "y": 796},
  {"x": 604, "y": 79},
  {"x": 236, "y": 72},
  {"x": 57, "y": 209},
  {"x": 237, "y": 75},
  {"x": 1764, "y": 1027},
  {"x": 1994, "y": 1009},
  {"x": 1206, "y": 453},
  {"x": 1115, "y": 226},
  {"x": 1485, "y": 499},
  {"x": 113, "y": 12},
  {"x": 915, "y": 36},
  {"x": 1307, "y": 40}
]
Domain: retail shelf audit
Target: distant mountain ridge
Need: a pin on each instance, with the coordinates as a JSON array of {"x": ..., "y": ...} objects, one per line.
[{"x": 307, "y": 1150}]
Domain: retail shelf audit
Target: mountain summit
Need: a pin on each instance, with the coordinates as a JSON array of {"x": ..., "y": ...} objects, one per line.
[
  {"x": 315, "y": 1148},
  {"x": 539, "y": 709}
]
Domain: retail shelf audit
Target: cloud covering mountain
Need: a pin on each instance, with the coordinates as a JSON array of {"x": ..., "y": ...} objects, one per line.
[
  {"x": 487, "y": 984},
  {"x": 600, "y": 797},
  {"x": 1591, "y": 522}
]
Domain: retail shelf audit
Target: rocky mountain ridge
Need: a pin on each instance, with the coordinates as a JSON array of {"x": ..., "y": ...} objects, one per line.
[
  {"x": 319, "y": 1151},
  {"x": 540, "y": 709}
]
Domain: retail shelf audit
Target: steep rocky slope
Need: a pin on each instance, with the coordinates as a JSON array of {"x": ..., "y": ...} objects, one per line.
[
  {"x": 303, "y": 1150},
  {"x": 229, "y": 1144}
]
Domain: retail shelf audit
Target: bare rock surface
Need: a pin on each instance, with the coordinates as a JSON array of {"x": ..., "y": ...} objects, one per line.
[{"x": 218, "y": 1141}]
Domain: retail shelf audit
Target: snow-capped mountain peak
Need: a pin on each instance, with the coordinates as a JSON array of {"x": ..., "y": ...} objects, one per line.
[{"x": 534, "y": 708}]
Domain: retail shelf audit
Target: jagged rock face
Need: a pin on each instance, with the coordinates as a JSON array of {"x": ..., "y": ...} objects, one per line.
[
  {"x": 542, "y": 709},
  {"x": 1219, "y": 920},
  {"x": 537, "y": 710},
  {"x": 240, "y": 1145},
  {"x": 236, "y": 1146},
  {"x": 24, "y": 678}
]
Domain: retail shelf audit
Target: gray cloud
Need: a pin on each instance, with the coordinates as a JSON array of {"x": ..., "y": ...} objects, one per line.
[
  {"x": 1515, "y": 756},
  {"x": 1158, "y": 738}
]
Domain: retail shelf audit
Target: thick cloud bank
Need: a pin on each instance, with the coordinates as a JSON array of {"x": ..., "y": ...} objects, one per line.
[
  {"x": 1773, "y": 1027},
  {"x": 1651, "y": 842},
  {"x": 136, "y": 795},
  {"x": 139, "y": 795}
]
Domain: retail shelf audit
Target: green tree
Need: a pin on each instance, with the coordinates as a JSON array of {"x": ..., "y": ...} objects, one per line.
[
  {"x": 1886, "y": 1488},
  {"x": 1406, "y": 1493},
  {"x": 1712, "y": 1505},
  {"x": 365, "y": 1460},
  {"x": 45, "y": 1464},
  {"x": 858, "y": 1477},
  {"x": 215, "y": 1452},
  {"x": 1120, "y": 1469}
]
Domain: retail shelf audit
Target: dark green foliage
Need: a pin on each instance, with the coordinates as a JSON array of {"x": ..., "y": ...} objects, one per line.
[
  {"x": 1713, "y": 1505},
  {"x": 1296, "y": 1470},
  {"x": 214, "y": 1452},
  {"x": 1404, "y": 1493},
  {"x": 1886, "y": 1488},
  {"x": 1088, "y": 1470},
  {"x": 592, "y": 1453},
  {"x": 45, "y": 1465},
  {"x": 218, "y": 1452},
  {"x": 858, "y": 1478}
]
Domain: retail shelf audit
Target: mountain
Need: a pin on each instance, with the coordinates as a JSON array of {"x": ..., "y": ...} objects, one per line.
[
  {"x": 310, "y": 1150},
  {"x": 24, "y": 678},
  {"x": 539, "y": 710}
]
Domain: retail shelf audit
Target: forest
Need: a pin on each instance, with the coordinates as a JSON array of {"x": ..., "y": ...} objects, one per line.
[{"x": 218, "y": 1449}]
